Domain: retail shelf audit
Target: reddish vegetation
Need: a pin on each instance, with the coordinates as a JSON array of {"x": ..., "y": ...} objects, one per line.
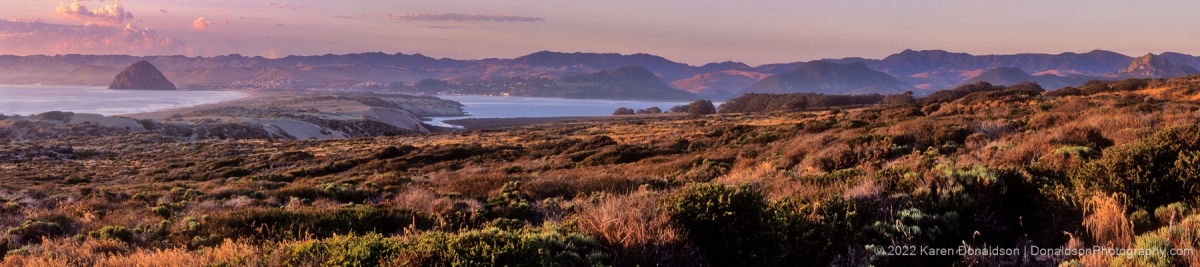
[{"x": 1105, "y": 164}]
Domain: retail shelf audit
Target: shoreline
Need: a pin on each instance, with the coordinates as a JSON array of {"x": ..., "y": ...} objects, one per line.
[
  {"x": 251, "y": 97},
  {"x": 245, "y": 93},
  {"x": 480, "y": 124}
]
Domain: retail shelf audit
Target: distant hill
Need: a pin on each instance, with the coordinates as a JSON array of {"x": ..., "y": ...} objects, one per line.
[
  {"x": 630, "y": 82},
  {"x": 141, "y": 76},
  {"x": 730, "y": 81},
  {"x": 938, "y": 69},
  {"x": 587, "y": 62},
  {"x": 721, "y": 66},
  {"x": 1012, "y": 76},
  {"x": 1182, "y": 59},
  {"x": 830, "y": 78},
  {"x": 778, "y": 68},
  {"x": 1154, "y": 66},
  {"x": 911, "y": 62},
  {"x": 925, "y": 70}
]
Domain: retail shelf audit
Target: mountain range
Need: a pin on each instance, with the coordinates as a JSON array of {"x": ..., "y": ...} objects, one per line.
[
  {"x": 920, "y": 71},
  {"x": 830, "y": 78}
]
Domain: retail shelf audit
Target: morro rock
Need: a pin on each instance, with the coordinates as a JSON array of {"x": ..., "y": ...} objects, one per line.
[{"x": 141, "y": 76}]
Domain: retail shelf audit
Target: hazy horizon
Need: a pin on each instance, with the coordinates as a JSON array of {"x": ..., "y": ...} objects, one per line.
[{"x": 690, "y": 32}]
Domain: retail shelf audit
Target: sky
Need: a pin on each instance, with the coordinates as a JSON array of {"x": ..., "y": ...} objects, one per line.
[{"x": 691, "y": 31}]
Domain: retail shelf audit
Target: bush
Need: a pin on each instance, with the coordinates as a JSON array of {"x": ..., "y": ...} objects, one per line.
[
  {"x": 704, "y": 170},
  {"x": 636, "y": 233},
  {"x": 113, "y": 232},
  {"x": 280, "y": 224},
  {"x": 290, "y": 156},
  {"x": 393, "y": 152},
  {"x": 344, "y": 250},
  {"x": 623, "y": 111},
  {"x": 32, "y": 231},
  {"x": 1154, "y": 251},
  {"x": 510, "y": 203},
  {"x": 963, "y": 90},
  {"x": 801, "y": 101},
  {"x": 545, "y": 246},
  {"x": 700, "y": 107},
  {"x": 1065, "y": 91},
  {"x": 730, "y": 226},
  {"x": 1154, "y": 171},
  {"x": 1171, "y": 213}
]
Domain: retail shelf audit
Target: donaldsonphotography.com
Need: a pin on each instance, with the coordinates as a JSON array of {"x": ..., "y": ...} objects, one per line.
[{"x": 1029, "y": 250}]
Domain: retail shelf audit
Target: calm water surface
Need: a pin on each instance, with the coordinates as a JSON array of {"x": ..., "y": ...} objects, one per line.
[
  {"x": 30, "y": 99},
  {"x": 533, "y": 107}
]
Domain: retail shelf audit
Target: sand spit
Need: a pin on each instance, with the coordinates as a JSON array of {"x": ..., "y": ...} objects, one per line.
[
  {"x": 501, "y": 123},
  {"x": 279, "y": 116}
]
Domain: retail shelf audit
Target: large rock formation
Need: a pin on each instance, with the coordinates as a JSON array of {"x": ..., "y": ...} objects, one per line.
[
  {"x": 1154, "y": 66},
  {"x": 141, "y": 76}
]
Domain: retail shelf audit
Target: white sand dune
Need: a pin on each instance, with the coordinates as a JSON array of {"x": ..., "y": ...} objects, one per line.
[
  {"x": 400, "y": 118},
  {"x": 298, "y": 129}
]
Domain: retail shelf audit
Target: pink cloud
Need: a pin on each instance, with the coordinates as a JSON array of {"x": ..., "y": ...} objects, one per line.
[
  {"x": 25, "y": 38},
  {"x": 109, "y": 14},
  {"x": 452, "y": 17},
  {"x": 201, "y": 24}
]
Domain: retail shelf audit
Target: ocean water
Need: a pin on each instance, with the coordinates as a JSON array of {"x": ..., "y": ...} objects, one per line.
[
  {"x": 29, "y": 99},
  {"x": 534, "y": 107}
]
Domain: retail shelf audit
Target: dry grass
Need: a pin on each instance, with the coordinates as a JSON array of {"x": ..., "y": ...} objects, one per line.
[
  {"x": 637, "y": 232},
  {"x": 807, "y": 157},
  {"x": 106, "y": 253},
  {"x": 1105, "y": 220}
]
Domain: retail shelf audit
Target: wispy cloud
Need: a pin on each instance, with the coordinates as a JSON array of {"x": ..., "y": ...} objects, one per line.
[
  {"x": 454, "y": 17},
  {"x": 109, "y": 14},
  {"x": 286, "y": 6},
  {"x": 439, "y": 27},
  {"x": 19, "y": 37}
]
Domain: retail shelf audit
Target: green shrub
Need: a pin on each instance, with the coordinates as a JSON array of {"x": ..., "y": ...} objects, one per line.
[
  {"x": 162, "y": 211},
  {"x": 290, "y": 156},
  {"x": 341, "y": 250},
  {"x": 280, "y": 224},
  {"x": 1154, "y": 171},
  {"x": 731, "y": 226},
  {"x": 234, "y": 172},
  {"x": 510, "y": 203},
  {"x": 113, "y": 232},
  {"x": 1151, "y": 251},
  {"x": 1171, "y": 213},
  {"x": 1079, "y": 152},
  {"x": 1141, "y": 221},
  {"x": 35, "y": 230},
  {"x": 545, "y": 246},
  {"x": 704, "y": 170},
  {"x": 345, "y": 193},
  {"x": 393, "y": 152}
]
